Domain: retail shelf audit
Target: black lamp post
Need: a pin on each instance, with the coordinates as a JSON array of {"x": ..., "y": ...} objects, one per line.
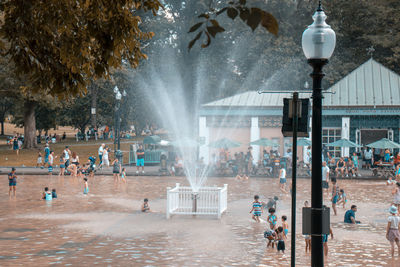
[
  {"x": 117, "y": 127},
  {"x": 318, "y": 44}
]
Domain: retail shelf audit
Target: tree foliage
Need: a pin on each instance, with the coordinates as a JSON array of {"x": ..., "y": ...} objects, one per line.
[
  {"x": 252, "y": 16},
  {"x": 60, "y": 45}
]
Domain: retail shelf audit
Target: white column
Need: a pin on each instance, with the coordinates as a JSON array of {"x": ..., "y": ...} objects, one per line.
[
  {"x": 204, "y": 133},
  {"x": 345, "y": 134},
  {"x": 255, "y": 135},
  {"x": 309, "y": 136}
]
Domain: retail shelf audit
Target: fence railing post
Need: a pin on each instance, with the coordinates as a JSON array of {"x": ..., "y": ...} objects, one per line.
[{"x": 168, "y": 201}]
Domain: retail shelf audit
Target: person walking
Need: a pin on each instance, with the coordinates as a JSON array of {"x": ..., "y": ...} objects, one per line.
[
  {"x": 46, "y": 153},
  {"x": 12, "y": 182},
  {"x": 368, "y": 157},
  {"x": 101, "y": 151},
  {"x": 106, "y": 153},
  {"x": 392, "y": 229},
  {"x": 15, "y": 145}
]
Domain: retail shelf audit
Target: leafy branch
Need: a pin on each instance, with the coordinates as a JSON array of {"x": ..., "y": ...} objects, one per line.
[{"x": 252, "y": 16}]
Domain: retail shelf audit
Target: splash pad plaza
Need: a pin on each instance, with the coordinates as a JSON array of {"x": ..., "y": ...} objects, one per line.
[{"x": 107, "y": 227}]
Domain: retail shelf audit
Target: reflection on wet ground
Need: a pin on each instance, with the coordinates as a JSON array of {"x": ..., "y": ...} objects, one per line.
[{"x": 107, "y": 228}]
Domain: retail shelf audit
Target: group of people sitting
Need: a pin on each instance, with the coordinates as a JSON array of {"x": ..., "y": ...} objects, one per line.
[{"x": 345, "y": 166}]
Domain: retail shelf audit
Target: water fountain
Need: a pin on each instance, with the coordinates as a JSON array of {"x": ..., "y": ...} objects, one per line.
[{"x": 167, "y": 95}]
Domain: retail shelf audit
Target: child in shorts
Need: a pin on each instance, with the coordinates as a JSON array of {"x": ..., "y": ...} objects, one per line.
[
  {"x": 39, "y": 162},
  {"x": 256, "y": 209},
  {"x": 280, "y": 238}
]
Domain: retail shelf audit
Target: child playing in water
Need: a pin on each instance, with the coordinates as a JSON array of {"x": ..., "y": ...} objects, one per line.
[
  {"x": 145, "y": 206},
  {"x": 256, "y": 209},
  {"x": 335, "y": 195},
  {"x": 271, "y": 236},
  {"x": 47, "y": 194},
  {"x": 325, "y": 241},
  {"x": 280, "y": 238},
  {"x": 392, "y": 229},
  {"x": 123, "y": 175},
  {"x": 53, "y": 193},
  {"x": 285, "y": 225},
  {"x": 307, "y": 238},
  {"x": 86, "y": 186},
  {"x": 272, "y": 218},
  {"x": 342, "y": 198}
]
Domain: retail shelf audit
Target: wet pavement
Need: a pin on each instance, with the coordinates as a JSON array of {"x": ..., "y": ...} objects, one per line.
[{"x": 106, "y": 228}]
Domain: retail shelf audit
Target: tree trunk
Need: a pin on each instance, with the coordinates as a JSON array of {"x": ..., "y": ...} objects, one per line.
[
  {"x": 2, "y": 127},
  {"x": 93, "y": 93},
  {"x": 29, "y": 124}
]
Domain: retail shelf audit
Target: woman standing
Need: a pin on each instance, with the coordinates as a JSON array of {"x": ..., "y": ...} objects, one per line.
[
  {"x": 116, "y": 169},
  {"x": 106, "y": 161},
  {"x": 392, "y": 230}
]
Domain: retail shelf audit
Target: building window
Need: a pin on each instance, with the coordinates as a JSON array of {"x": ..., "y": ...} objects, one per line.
[{"x": 330, "y": 135}]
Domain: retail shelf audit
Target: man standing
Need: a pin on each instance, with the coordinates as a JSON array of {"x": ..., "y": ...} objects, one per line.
[
  {"x": 140, "y": 159},
  {"x": 368, "y": 157},
  {"x": 325, "y": 176},
  {"x": 12, "y": 182},
  {"x": 350, "y": 215},
  {"x": 101, "y": 151}
]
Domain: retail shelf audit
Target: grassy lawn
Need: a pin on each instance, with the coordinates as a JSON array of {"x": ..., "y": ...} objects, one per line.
[{"x": 28, "y": 157}]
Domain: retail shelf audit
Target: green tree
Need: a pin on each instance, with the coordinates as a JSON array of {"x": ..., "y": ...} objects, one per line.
[{"x": 61, "y": 45}]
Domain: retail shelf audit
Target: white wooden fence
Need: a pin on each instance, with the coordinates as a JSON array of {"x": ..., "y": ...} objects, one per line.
[{"x": 207, "y": 201}]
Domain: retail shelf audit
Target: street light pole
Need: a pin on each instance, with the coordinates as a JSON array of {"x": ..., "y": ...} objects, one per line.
[
  {"x": 318, "y": 44},
  {"x": 317, "y": 252}
]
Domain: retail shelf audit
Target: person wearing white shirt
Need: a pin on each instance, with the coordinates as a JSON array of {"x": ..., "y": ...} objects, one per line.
[{"x": 101, "y": 152}]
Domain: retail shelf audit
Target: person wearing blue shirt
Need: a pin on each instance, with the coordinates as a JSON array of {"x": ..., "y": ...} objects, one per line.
[
  {"x": 350, "y": 215},
  {"x": 46, "y": 153}
]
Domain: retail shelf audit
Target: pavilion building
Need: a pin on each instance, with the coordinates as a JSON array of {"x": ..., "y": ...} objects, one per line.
[{"x": 364, "y": 107}]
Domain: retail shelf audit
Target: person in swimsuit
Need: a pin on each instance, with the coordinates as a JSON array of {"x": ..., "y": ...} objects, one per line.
[
  {"x": 285, "y": 225},
  {"x": 256, "y": 209},
  {"x": 62, "y": 165},
  {"x": 86, "y": 186},
  {"x": 335, "y": 195},
  {"x": 12, "y": 182},
  {"x": 116, "y": 169},
  {"x": 325, "y": 241},
  {"x": 272, "y": 218},
  {"x": 123, "y": 175},
  {"x": 342, "y": 198},
  {"x": 145, "y": 206}
]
